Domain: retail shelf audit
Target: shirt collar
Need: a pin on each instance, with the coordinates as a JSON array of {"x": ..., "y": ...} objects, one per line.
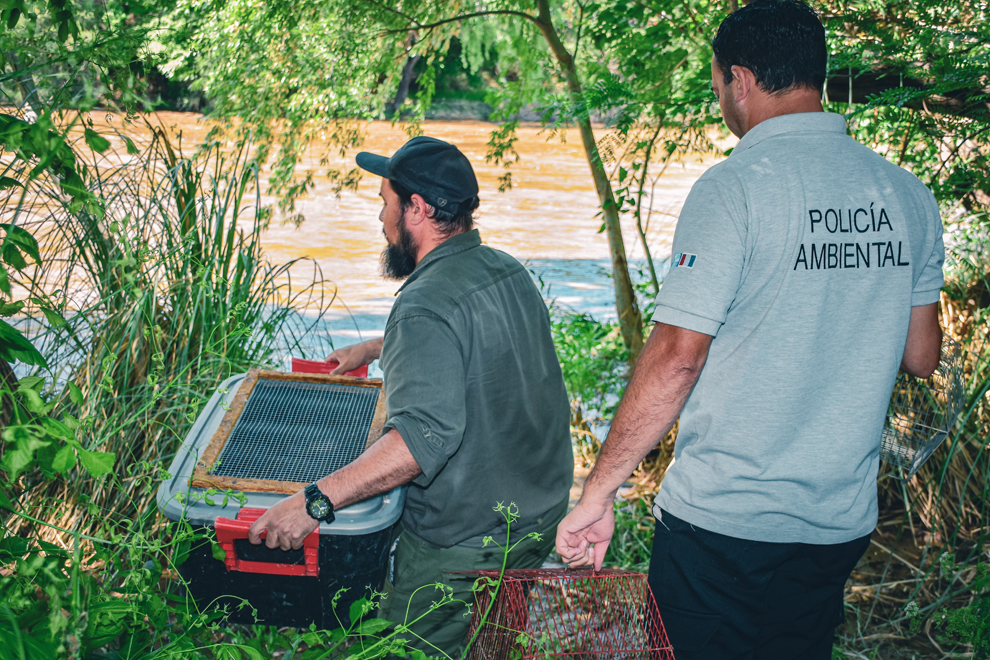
[
  {"x": 456, "y": 243},
  {"x": 799, "y": 122}
]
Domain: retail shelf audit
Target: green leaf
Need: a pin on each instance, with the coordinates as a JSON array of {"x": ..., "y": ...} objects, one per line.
[
  {"x": 30, "y": 383},
  {"x": 14, "y": 346},
  {"x": 5, "y": 503},
  {"x": 57, "y": 429},
  {"x": 7, "y": 182},
  {"x": 131, "y": 149},
  {"x": 4, "y": 280},
  {"x": 218, "y": 553},
  {"x": 181, "y": 553},
  {"x": 65, "y": 460},
  {"x": 33, "y": 401},
  {"x": 373, "y": 626},
  {"x": 23, "y": 239},
  {"x": 359, "y": 608},
  {"x": 53, "y": 317},
  {"x": 13, "y": 257},
  {"x": 251, "y": 653},
  {"x": 96, "y": 141},
  {"x": 9, "y": 309},
  {"x": 75, "y": 394},
  {"x": 97, "y": 463}
]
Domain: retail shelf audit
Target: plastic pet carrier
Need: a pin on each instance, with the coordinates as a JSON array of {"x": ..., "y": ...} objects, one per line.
[{"x": 269, "y": 434}]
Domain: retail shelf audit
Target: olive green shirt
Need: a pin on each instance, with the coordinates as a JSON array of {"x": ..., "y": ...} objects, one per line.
[{"x": 473, "y": 386}]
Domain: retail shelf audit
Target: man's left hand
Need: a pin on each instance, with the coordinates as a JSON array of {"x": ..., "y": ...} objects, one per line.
[{"x": 287, "y": 522}]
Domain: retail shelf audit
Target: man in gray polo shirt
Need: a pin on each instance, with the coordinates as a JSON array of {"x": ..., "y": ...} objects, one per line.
[
  {"x": 477, "y": 412},
  {"x": 806, "y": 271}
]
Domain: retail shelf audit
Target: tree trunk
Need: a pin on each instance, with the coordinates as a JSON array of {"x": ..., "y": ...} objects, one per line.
[
  {"x": 630, "y": 320},
  {"x": 26, "y": 83},
  {"x": 407, "y": 74}
]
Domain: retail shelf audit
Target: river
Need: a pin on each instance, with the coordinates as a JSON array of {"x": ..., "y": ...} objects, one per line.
[{"x": 547, "y": 221}]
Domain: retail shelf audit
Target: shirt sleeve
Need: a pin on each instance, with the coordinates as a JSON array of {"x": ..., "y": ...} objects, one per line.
[
  {"x": 929, "y": 284},
  {"x": 424, "y": 390},
  {"x": 707, "y": 262}
]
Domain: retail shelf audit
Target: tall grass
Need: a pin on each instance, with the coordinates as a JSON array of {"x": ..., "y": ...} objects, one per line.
[{"x": 164, "y": 297}]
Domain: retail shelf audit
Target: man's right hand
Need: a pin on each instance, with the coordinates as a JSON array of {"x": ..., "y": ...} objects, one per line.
[
  {"x": 356, "y": 355},
  {"x": 583, "y": 536}
]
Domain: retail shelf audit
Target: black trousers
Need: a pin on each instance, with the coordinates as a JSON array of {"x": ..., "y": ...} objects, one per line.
[{"x": 721, "y": 597}]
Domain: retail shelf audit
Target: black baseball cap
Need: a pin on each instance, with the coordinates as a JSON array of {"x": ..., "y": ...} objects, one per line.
[{"x": 434, "y": 169}]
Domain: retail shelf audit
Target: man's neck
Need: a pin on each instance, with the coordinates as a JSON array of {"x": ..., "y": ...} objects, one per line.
[
  {"x": 802, "y": 99},
  {"x": 431, "y": 241}
]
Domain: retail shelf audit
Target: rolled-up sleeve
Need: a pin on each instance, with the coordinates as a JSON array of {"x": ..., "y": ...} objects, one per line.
[{"x": 424, "y": 390}]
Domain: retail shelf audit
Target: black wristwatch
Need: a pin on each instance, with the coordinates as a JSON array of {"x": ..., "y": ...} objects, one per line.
[{"x": 318, "y": 505}]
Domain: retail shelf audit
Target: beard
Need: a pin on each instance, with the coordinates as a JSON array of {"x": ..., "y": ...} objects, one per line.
[{"x": 398, "y": 260}]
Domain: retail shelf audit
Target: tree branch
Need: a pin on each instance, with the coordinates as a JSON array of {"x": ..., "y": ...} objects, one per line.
[{"x": 463, "y": 17}]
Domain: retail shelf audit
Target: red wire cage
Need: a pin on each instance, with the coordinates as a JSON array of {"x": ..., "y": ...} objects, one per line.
[{"x": 558, "y": 613}]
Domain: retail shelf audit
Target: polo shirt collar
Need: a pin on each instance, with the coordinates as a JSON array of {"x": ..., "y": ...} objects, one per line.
[
  {"x": 457, "y": 243},
  {"x": 799, "y": 122}
]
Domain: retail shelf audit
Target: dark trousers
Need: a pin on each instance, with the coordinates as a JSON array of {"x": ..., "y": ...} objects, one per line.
[{"x": 721, "y": 597}]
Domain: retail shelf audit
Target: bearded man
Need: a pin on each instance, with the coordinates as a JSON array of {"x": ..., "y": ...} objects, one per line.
[{"x": 477, "y": 412}]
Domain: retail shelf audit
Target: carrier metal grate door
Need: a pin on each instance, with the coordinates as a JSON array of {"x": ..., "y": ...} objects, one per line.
[{"x": 298, "y": 431}]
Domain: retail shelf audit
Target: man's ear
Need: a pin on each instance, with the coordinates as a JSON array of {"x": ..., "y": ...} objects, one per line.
[
  {"x": 745, "y": 83},
  {"x": 416, "y": 212}
]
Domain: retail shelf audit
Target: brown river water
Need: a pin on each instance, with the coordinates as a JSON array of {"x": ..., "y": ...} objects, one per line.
[{"x": 547, "y": 220}]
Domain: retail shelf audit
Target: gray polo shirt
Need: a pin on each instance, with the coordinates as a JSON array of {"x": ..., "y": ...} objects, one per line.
[
  {"x": 473, "y": 386},
  {"x": 802, "y": 255}
]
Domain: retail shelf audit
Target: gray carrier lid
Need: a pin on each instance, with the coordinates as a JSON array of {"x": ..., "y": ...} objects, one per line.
[{"x": 177, "y": 499}]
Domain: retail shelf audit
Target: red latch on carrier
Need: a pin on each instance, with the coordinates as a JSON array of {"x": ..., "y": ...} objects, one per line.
[
  {"x": 320, "y": 367},
  {"x": 229, "y": 531}
]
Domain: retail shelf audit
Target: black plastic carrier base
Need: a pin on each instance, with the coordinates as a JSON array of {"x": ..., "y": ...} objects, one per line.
[{"x": 355, "y": 563}]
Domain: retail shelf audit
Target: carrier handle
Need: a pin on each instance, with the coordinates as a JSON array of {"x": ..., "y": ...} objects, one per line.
[
  {"x": 320, "y": 367},
  {"x": 229, "y": 530}
]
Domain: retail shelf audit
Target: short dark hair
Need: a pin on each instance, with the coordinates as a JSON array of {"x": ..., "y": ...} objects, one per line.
[
  {"x": 447, "y": 222},
  {"x": 781, "y": 41}
]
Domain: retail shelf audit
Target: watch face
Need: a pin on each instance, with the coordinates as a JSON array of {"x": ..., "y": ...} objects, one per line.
[{"x": 318, "y": 508}]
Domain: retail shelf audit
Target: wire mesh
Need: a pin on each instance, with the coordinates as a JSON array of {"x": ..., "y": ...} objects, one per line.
[
  {"x": 922, "y": 412},
  {"x": 296, "y": 431},
  {"x": 557, "y": 613}
]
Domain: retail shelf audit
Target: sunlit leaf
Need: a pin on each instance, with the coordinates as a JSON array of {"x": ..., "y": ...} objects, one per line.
[
  {"x": 97, "y": 463},
  {"x": 75, "y": 394},
  {"x": 372, "y": 626},
  {"x": 218, "y": 552},
  {"x": 96, "y": 141},
  {"x": 65, "y": 459}
]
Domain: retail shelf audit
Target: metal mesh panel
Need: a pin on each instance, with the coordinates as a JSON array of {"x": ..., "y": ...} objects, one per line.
[
  {"x": 292, "y": 431},
  {"x": 541, "y": 613},
  {"x": 922, "y": 412}
]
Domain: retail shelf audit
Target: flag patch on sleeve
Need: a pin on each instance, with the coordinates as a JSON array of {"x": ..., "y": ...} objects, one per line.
[{"x": 684, "y": 260}]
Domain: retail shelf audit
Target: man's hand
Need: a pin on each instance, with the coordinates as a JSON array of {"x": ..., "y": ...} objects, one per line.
[
  {"x": 356, "y": 355},
  {"x": 584, "y": 534},
  {"x": 287, "y": 523}
]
